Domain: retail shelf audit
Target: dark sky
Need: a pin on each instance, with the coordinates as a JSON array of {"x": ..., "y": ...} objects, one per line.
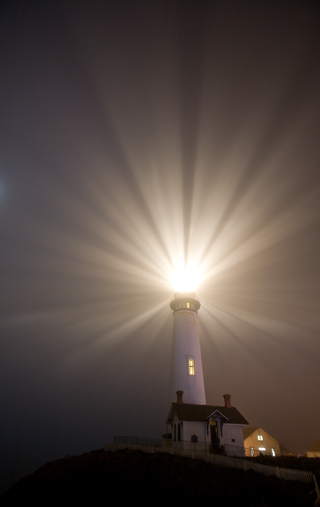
[{"x": 134, "y": 134}]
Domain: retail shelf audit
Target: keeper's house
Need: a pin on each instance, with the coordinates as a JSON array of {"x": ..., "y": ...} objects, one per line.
[{"x": 211, "y": 428}]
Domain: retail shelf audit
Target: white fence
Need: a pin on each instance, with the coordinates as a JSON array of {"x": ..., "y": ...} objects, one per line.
[{"x": 221, "y": 460}]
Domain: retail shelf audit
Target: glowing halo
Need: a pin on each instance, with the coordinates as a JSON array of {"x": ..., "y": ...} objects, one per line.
[{"x": 185, "y": 279}]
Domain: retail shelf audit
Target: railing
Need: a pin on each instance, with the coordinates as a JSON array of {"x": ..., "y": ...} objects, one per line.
[
  {"x": 156, "y": 445},
  {"x": 149, "y": 442}
]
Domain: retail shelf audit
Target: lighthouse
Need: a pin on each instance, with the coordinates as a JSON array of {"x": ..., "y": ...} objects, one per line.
[
  {"x": 186, "y": 364},
  {"x": 191, "y": 423}
]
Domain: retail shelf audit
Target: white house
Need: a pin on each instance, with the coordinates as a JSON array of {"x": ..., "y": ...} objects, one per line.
[
  {"x": 314, "y": 450},
  {"x": 209, "y": 428},
  {"x": 257, "y": 441}
]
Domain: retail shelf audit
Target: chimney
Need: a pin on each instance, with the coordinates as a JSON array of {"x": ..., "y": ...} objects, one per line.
[
  {"x": 227, "y": 402},
  {"x": 179, "y": 397}
]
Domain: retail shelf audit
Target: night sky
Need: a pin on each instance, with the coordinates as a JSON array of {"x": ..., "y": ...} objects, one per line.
[{"x": 136, "y": 135}]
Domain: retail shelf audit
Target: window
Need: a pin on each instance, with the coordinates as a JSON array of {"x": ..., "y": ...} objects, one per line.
[
  {"x": 262, "y": 449},
  {"x": 260, "y": 437},
  {"x": 251, "y": 451},
  {"x": 273, "y": 452},
  {"x": 191, "y": 366},
  {"x": 188, "y": 305}
]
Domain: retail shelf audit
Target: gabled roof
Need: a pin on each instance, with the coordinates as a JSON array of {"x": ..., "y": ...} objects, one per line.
[
  {"x": 314, "y": 447},
  {"x": 190, "y": 412},
  {"x": 249, "y": 430}
]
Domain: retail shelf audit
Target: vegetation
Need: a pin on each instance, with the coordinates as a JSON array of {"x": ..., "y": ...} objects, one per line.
[{"x": 138, "y": 476}]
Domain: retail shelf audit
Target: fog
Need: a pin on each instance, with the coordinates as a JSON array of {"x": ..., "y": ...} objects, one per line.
[{"x": 135, "y": 137}]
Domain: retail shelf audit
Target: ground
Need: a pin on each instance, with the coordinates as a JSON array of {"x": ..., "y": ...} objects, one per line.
[{"x": 139, "y": 476}]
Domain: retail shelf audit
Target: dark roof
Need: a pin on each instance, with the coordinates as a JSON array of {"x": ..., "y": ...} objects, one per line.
[{"x": 190, "y": 412}]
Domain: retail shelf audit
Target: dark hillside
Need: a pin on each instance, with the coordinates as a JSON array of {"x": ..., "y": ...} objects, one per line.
[{"x": 138, "y": 476}]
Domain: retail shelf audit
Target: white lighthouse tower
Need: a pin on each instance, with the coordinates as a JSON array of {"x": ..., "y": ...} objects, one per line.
[{"x": 186, "y": 363}]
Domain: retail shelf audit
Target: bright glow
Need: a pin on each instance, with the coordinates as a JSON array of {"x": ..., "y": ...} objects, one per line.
[
  {"x": 185, "y": 280},
  {"x": 145, "y": 168},
  {"x": 169, "y": 209}
]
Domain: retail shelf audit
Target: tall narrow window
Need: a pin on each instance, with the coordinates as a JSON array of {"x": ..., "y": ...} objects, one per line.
[{"x": 191, "y": 366}]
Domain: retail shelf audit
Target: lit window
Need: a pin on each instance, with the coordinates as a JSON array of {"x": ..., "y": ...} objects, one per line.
[
  {"x": 188, "y": 305},
  {"x": 260, "y": 437},
  {"x": 251, "y": 451},
  {"x": 191, "y": 366},
  {"x": 273, "y": 452},
  {"x": 262, "y": 449}
]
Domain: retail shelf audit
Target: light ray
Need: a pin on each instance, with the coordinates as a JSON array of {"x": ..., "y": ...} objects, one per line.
[{"x": 162, "y": 201}]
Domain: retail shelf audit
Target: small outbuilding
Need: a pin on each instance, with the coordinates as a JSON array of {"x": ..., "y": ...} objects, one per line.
[
  {"x": 257, "y": 441},
  {"x": 314, "y": 450}
]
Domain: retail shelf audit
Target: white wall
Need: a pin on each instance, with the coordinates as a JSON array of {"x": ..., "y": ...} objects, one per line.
[
  {"x": 233, "y": 440},
  {"x": 195, "y": 428},
  {"x": 186, "y": 344},
  {"x": 202, "y": 431}
]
